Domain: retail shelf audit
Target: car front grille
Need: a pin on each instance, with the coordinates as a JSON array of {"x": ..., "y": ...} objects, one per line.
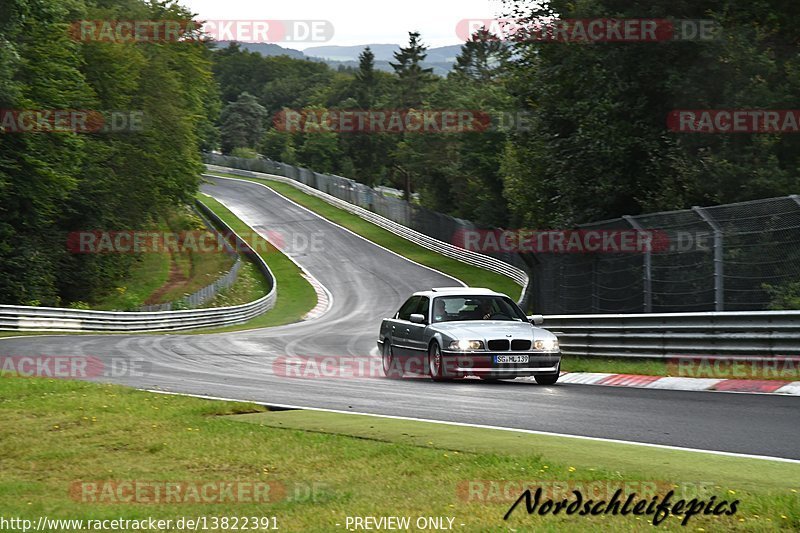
[
  {"x": 498, "y": 345},
  {"x": 520, "y": 345}
]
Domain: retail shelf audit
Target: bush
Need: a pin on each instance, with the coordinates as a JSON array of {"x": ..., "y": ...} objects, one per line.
[
  {"x": 245, "y": 153},
  {"x": 783, "y": 297}
]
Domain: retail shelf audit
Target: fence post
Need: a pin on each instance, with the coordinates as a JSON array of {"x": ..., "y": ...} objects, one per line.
[
  {"x": 647, "y": 274},
  {"x": 719, "y": 266}
]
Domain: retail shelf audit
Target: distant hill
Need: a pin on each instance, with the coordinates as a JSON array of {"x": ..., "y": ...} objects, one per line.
[
  {"x": 266, "y": 49},
  {"x": 440, "y": 59},
  {"x": 383, "y": 52}
]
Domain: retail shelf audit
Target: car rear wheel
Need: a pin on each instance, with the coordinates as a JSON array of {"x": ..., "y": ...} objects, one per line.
[
  {"x": 391, "y": 367},
  {"x": 435, "y": 363}
]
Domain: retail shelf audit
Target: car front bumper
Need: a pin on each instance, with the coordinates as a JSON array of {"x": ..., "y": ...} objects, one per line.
[{"x": 484, "y": 364}]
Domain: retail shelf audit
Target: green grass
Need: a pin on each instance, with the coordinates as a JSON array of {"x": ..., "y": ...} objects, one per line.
[
  {"x": 164, "y": 277},
  {"x": 150, "y": 272},
  {"x": 335, "y": 466},
  {"x": 250, "y": 285},
  {"x": 472, "y": 276},
  {"x": 200, "y": 270}
]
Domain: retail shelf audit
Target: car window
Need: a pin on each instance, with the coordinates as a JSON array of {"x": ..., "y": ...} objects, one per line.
[
  {"x": 475, "y": 308},
  {"x": 407, "y": 308},
  {"x": 422, "y": 308}
]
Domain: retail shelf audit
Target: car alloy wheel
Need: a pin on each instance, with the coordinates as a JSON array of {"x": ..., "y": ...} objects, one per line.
[{"x": 435, "y": 363}]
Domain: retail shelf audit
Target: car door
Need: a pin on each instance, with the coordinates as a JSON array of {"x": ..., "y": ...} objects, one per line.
[
  {"x": 416, "y": 342},
  {"x": 399, "y": 327}
]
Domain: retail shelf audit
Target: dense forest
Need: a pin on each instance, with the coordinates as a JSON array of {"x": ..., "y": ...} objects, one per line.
[
  {"x": 54, "y": 183},
  {"x": 595, "y": 143}
]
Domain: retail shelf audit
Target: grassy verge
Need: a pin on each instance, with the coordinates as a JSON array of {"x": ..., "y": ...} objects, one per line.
[
  {"x": 165, "y": 277},
  {"x": 323, "y": 467},
  {"x": 781, "y": 371},
  {"x": 473, "y": 276},
  {"x": 150, "y": 272},
  {"x": 250, "y": 285}
]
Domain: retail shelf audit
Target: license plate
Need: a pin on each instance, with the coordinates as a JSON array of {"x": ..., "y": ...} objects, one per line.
[{"x": 510, "y": 359}]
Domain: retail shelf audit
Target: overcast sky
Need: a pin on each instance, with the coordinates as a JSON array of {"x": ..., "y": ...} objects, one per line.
[{"x": 358, "y": 22}]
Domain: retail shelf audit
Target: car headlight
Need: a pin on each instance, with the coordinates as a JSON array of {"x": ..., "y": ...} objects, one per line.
[
  {"x": 466, "y": 345},
  {"x": 547, "y": 345}
]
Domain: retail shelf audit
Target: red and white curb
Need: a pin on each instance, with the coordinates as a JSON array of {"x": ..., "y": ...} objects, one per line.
[
  {"x": 684, "y": 384},
  {"x": 324, "y": 298}
]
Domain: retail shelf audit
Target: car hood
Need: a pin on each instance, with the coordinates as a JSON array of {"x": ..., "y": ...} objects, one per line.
[{"x": 491, "y": 329}]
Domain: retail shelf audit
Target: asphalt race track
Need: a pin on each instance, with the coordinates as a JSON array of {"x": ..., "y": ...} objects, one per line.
[{"x": 367, "y": 283}]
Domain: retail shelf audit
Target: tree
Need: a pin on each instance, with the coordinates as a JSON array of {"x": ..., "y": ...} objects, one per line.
[
  {"x": 242, "y": 123},
  {"x": 364, "y": 82},
  {"x": 413, "y": 78},
  {"x": 599, "y": 147},
  {"x": 481, "y": 56}
]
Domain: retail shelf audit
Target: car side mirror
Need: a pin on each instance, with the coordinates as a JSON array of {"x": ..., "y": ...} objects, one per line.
[
  {"x": 536, "y": 320},
  {"x": 417, "y": 318}
]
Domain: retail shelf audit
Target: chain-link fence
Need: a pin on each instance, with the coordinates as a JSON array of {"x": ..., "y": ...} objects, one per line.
[{"x": 732, "y": 257}]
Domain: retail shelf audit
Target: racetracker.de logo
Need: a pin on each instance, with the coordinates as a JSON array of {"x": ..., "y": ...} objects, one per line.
[
  {"x": 70, "y": 121},
  {"x": 562, "y": 241},
  {"x": 147, "y": 492},
  {"x": 597, "y": 30},
  {"x": 193, "y": 241},
  {"x": 72, "y": 366},
  {"x": 508, "y": 491},
  {"x": 389, "y": 121},
  {"x": 177, "y": 492},
  {"x": 192, "y": 31},
  {"x": 766, "y": 368},
  {"x": 734, "y": 121}
]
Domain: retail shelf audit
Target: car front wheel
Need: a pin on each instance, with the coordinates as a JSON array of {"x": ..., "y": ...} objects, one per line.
[
  {"x": 435, "y": 363},
  {"x": 548, "y": 379}
]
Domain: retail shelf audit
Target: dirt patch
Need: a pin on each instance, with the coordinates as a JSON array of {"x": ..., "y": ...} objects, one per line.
[{"x": 176, "y": 278}]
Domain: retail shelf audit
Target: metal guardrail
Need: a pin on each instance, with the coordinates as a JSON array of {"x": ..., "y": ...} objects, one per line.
[
  {"x": 731, "y": 335},
  {"x": 465, "y": 256},
  {"x": 25, "y": 318}
]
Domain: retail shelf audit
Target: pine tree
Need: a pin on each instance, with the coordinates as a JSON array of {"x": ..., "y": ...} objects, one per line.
[
  {"x": 413, "y": 78},
  {"x": 365, "y": 81},
  {"x": 481, "y": 56}
]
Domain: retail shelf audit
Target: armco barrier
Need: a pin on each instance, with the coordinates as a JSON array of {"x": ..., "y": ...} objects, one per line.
[
  {"x": 733, "y": 335},
  {"x": 25, "y": 318},
  {"x": 465, "y": 256}
]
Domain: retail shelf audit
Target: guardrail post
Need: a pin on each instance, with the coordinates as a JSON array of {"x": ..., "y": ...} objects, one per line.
[
  {"x": 647, "y": 274},
  {"x": 719, "y": 266}
]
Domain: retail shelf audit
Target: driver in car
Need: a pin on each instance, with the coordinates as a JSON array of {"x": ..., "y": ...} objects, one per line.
[
  {"x": 484, "y": 310},
  {"x": 439, "y": 311}
]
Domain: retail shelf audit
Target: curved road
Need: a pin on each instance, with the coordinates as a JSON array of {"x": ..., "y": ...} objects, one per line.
[{"x": 367, "y": 283}]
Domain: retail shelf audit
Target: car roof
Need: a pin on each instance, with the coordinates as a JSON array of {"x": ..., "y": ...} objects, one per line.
[{"x": 458, "y": 291}]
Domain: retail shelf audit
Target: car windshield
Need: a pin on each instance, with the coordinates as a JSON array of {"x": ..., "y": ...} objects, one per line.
[{"x": 450, "y": 308}]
